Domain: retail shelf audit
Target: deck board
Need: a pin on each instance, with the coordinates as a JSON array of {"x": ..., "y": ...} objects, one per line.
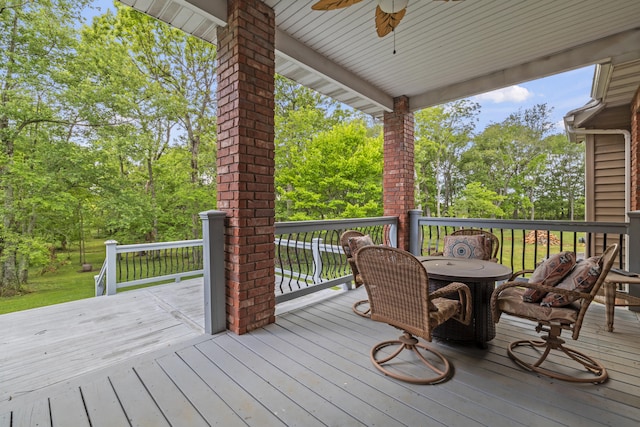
[
  {"x": 104, "y": 409},
  {"x": 310, "y": 368}
]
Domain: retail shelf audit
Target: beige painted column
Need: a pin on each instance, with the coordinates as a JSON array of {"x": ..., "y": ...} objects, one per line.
[
  {"x": 398, "y": 180},
  {"x": 246, "y": 52}
]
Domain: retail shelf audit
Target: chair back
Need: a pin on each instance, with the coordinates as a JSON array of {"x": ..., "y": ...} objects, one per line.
[
  {"x": 495, "y": 242},
  {"x": 344, "y": 242},
  {"x": 397, "y": 286},
  {"x": 607, "y": 257}
]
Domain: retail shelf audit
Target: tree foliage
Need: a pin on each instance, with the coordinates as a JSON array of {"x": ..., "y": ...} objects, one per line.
[
  {"x": 339, "y": 175},
  {"x": 520, "y": 165},
  {"x": 110, "y": 128}
]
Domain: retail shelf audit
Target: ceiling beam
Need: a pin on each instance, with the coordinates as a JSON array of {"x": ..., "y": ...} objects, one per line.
[
  {"x": 293, "y": 50},
  {"x": 624, "y": 44}
]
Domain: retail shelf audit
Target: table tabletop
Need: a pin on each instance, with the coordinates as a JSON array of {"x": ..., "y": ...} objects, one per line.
[
  {"x": 464, "y": 269},
  {"x": 613, "y": 277}
]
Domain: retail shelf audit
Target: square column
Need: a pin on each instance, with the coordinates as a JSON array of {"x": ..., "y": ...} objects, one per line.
[
  {"x": 246, "y": 163},
  {"x": 398, "y": 177}
]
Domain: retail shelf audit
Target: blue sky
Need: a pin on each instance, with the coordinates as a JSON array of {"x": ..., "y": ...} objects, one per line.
[{"x": 562, "y": 92}]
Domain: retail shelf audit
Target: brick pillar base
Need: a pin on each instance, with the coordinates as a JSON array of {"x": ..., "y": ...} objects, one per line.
[
  {"x": 246, "y": 161},
  {"x": 398, "y": 181}
]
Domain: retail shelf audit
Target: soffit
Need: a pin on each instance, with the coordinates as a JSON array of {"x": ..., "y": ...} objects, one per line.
[
  {"x": 624, "y": 80},
  {"x": 444, "y": 50}
]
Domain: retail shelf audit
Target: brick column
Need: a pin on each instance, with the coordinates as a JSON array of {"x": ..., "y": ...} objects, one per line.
[
  {"x": 398, "y": 188},
  {"x": 246, "y": 161},
  {"x": 635, "y": 152}
]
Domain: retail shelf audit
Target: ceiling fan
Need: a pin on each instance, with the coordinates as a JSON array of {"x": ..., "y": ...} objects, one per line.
[{"x": 389, "y": 13}]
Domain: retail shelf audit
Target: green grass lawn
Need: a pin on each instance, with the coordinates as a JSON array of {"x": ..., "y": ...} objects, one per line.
[{"x": 66, "y": 283}]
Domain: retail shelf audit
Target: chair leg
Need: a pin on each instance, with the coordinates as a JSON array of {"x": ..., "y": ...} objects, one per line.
[
  {"x": 409, "y": 342},
  {"x": 361, "y": 308},
  {"x": 554, "y": 342},
  {"x": 610, "y": 303}
]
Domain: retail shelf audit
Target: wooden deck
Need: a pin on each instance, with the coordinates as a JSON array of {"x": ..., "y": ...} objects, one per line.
[{"x": 139, "y": 358}]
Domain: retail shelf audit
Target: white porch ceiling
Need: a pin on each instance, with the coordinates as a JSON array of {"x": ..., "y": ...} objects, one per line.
[{"x": 444, "y": 50}]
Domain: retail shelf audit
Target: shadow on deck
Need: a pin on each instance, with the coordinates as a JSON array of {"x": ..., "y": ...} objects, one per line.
[{"x": 309, "y": 368}]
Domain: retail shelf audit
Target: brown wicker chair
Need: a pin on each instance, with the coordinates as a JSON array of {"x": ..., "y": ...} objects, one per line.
[
  {"x": 495, "y": 242},
  {"x": 361, "y": 308},
  {"x": 398, "y": 288},
  {"x": 507, "y": 298}
]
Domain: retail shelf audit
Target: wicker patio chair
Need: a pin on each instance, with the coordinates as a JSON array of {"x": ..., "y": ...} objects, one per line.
[
  {"x": 493, "y": 243},
  {"x": 508, "y": 298},
  {"x": 398, "y": 288},
  {"x": 361, "y": 308}
]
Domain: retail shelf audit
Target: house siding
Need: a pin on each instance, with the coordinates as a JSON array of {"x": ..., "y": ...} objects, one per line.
[
  {"x": 606, "y": 189},
  {"x": 635, "y": 151}
]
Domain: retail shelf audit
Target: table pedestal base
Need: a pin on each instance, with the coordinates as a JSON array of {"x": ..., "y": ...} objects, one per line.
[{"x": 481, "y": 329}]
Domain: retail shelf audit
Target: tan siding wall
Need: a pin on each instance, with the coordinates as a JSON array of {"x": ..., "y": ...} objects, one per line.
[
  {"x": 608, "y": 178},
  {"x": 634, "y": 111},
  {"x": 605, "y": 185}
]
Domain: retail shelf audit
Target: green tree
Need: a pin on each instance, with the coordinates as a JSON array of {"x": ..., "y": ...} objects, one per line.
[
  {"x": 339, "y": 176},
  {"x": 476, "y": 201},
  {"x": 301, "y": 115},
  {"x": 510, "y": 158},
  {"x": 150, "y": 91},
  {"x": 442, "y": 135},
  {"x": 36, "y": 40},
  {"x": 560, "y": 193}
]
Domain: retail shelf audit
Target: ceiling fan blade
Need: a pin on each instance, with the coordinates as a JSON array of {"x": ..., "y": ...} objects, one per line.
[
  {"x": 333, "y": 4},
  {"x": 387, "y": 22}
]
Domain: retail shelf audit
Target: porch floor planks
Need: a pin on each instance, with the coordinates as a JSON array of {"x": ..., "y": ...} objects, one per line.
[
  {"x": 290, "y": 381},
  {"x": 250, "y": 411},
  {"x": 201, "y": 395},
  {"x": 506, "y": 365},
  {"x": 312, "y": 368},
  {"x": 81, "y": 336},
  {"x": 442, "y": 407},
  {"x": 280, "y": 404},
  {"x": 360, "y": 402},
  {"x": 104, "y": 408},
  {"x": 454, "y": 394},
  {"x": 67, "y": 409}
]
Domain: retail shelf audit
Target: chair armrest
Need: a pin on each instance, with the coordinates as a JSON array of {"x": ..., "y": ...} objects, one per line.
[
  {"x": 519, "y": 273},
  {"x": 464, "y": 296}
]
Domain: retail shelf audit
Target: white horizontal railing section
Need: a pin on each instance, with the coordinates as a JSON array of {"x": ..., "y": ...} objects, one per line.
[
  {"x": 110, "y": 278},
  {"x": 308, "y": 256},
  {"x": 317, "y": 248}
]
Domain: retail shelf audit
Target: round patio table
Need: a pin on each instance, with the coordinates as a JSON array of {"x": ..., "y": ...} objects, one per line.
[{"x": 481, "y": 277}]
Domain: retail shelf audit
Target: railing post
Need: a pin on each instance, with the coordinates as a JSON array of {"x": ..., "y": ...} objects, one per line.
[
  {"x": 213, "y": 236},
  {"x": 634, "y": 251},
  {"x": 414, "y": 232},
  {"x": 111, "y": 266},
  {"x": 393, "y": 235},
  {"x": 317, "y": 259}
]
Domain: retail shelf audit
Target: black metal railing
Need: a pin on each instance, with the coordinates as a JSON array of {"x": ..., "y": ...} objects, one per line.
[
  {"x": 309, "y": 256},
  {"x": 523, "y": 244}
]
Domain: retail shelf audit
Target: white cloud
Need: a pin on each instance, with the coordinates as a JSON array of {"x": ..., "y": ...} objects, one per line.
[
  {"x": 508, "y": 94},
  {"x": 559, "y": 126}
]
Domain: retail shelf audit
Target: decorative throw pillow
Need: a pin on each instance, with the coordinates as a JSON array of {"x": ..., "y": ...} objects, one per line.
[
  {"x": 550, "y": 272},
  {"x": 358, "y": 242},
  {"x": 488, "y": 247},
  {"x": 465, "y": 247},
  {"x": 582, "y": 278}
]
